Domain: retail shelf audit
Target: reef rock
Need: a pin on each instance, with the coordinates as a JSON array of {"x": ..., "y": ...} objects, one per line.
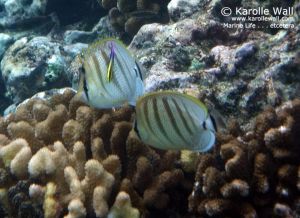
[
  {"x": 21, "y": 9},
  {"x": 239, "y": 71},
  {"x": 182, "y": 8},
  {"x": 30, "y": 65},
  {"x": 102, "y": 29},
  {"x": 5, "y": 40},
  {"x": 34, "y": 14},
  {"x": 167, "y": 70}
]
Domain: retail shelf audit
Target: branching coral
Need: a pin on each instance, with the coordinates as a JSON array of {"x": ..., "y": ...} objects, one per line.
[
  {"x": 122, "y": 207},
  {"x": 77, "y": 161},
  {"x": 253, "y": 175},
  {"x": 130, "y": 15},
  {"x": 60, "y": 157}
]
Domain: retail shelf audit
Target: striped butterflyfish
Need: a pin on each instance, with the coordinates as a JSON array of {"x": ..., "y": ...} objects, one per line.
[
  {"x": 110, "y": 75},
  {"x": 175, "y": 121}
]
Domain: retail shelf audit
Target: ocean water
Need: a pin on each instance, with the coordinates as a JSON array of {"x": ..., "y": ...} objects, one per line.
[{"x": 241, "y": 59}]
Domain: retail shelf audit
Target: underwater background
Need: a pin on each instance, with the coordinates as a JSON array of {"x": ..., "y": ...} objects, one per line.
[{"x": 60, "y": 157}]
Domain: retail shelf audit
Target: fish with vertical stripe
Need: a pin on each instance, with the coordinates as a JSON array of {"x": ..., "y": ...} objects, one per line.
[
  {"x": 110, "y": 76},
  {"x": 174, "y": 121}
]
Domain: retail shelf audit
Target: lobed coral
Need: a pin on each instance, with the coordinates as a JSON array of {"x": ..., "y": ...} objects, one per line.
[
  {"x": 60, "y": 157},
  {"x": 129, "y": 15},
  {"x": 255, "y": 174}
]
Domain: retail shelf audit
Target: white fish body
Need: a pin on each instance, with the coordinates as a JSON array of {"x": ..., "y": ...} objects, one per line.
[
  {"x": 175, "y": 121},
  {"x": 111, "y": 75}
]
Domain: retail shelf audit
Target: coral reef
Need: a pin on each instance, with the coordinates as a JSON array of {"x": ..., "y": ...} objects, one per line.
[
  {"x": 38, "y": 60},
  {"x": 21, "y": 15},
  {"x": 179, "y": 9},
  {"x": 129, "y": 15},
  {"x": 255, "y": 174},
  {"x": 5, "y": 40},
  {"x": 122, "y": 207},
  {"x": 60, "y": 157},
  {"x": 239, "y": 70},
  {"x": 35, "y": 64},
  {"x": 22, "y": 9}
]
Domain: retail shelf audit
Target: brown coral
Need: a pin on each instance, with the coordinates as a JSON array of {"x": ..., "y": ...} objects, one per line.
[
  {"x": 255, "y": 174},
  {"x": 129, "y": 15},
  {"x": 77, "y": 161},
  {"x": 62, "y": 158}
]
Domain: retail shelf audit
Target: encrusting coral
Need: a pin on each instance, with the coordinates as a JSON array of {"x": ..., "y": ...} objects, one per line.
[
  {"x": 76, "y": 161},
  {"x": 255, "y": 174},
  {"x": 129, "y": 15}
]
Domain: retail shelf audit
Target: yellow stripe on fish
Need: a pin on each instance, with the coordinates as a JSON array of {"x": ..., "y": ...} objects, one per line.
[
  {"x": 111, "y": 75},
  {"x": 111, "y": 62},
  {"x": 175, "y": 121}
]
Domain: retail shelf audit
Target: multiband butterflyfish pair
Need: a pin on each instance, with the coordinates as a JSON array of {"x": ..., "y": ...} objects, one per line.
[{"x": 165, "y": 120}]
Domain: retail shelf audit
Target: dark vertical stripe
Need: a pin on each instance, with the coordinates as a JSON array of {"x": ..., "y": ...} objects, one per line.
[
  {"x": 98, "y": 69},
  {"x": 96, "y": 63},
  {"x": 214, "y": 122},
  {"x": 85, "y": 88},
  {"x": 182, "y": 116},
  {"x": 118, "y": 85},
  {"x": 146, "y": 114},
  {"x": 124, "y": 74},
  {"x": 129, "y": 72},
  {"x": 136, "y": 129},
  {"x": 190, "y": 116},
  {"x": 116, "y": 80},
  {"x": 89, "y": 74},
  {"x": 81, "y": 85},
  {"x": 89, "y": 71},
  {"x": 105, "y": 57},
  {"x": 172, "y": 118},
  {"x": 136, "y": 72},
  {"x": 158, "y": 121},
  {"x": 123, "y": 53},
  {"x": 139, "y": 70}
]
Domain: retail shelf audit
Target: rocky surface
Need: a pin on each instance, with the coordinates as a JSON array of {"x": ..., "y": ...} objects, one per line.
[
  {"x": 31, "y": 65},
  {"x": 237, "y": 70},
  {"x": 36, "y": 31},
  {"x": 5, "y": 40},
  {"x": 179, "y": 9}
]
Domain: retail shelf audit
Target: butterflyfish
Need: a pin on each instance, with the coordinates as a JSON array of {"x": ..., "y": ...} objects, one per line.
[
  {"x": 110, "y": 75},
  {"x": 174, "y": 121}
]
